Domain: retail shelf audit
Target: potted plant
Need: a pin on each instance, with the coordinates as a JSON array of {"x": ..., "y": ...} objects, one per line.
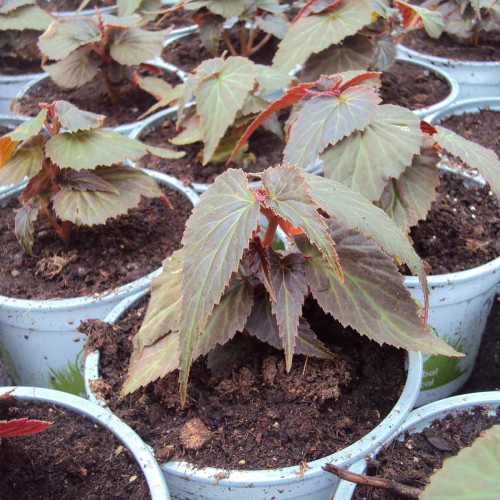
[
  {"x": 99, "y": 61},
  {"x": 94, "y": 428},
  {"x": 68, "y": 8},
  {"x": 467, "y": 47},
  {"x": 202, "y": 297},
  {"x": 393, "y": 161},
  {"x": 21, "y": 23},
  {"x": 440, "y": 451},
  {"x": 213, "y": 107},
  {"x": 76, "y": 179}
]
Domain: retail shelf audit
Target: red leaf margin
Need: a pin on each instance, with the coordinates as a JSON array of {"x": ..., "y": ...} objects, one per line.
[{"x": 21, "y": 427}]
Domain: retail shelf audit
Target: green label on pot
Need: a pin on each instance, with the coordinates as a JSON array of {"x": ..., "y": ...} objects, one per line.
[{"x": 69, "y": 378}]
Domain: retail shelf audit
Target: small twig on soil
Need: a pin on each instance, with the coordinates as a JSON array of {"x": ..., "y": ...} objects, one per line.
[{"x": 375, "y": 482}]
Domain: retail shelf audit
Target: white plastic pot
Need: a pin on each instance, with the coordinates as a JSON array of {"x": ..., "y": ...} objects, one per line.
[
  {"x": 465, "y": 106},
  {"x": 38, "y": 338},
  {"x": 134, "y": 444},
  {"x": 125, "y": 128},
  {"x": 84, "y": 12},
  {"x": 187, "y": 482},
  {"x": 475, "y": 78},
  {"x": 10, "y": 86},
  {"x": 420, "y": 419}
]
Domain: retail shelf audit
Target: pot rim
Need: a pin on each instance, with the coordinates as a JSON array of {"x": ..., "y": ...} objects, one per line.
[
  {"x": 465, "y": 105},
  {"x": 139, "y": 450},
  {"x": 285, "y": 475},
  {"x": 59, "y": 305}
]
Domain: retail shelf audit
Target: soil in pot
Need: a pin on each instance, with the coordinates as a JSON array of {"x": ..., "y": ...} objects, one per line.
[
  {"x": 72, "y": 5},
  {"x": 98, "y": 258},
  {"x": 73, "y": 458},
  {"x": 462, "y": 229},
  {"x": 266, "y": 146},
  {"x": 487, "y": 48},
  {"x": 92, "y": 97},
  {"x": 189, "y": 52},
  {"x": 177, "y": 19},
  {"x": 413, "y": 461},
  {"x": 4, "y": 130},
  {"x": 412, "y": 86},
  {"x": 253, "y": 415},
  {"x": 15, "y": 66}
]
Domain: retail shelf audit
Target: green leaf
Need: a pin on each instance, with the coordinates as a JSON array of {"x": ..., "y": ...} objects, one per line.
[
  {"x": 473, "y": 473},
  {"x": 325, "y": 120},
  {"x": 353, "y": 53},
  {"x": 65, "y": 35},
  {"x": 385, "y": 52},
  {"x": 223, "y": 8},
  {"x": 28, "y": 129},
  {"x": 29, "y": 17},
  {"x": 373, "y": 299},
  {"x": 366, "y": 159},
  {"x": 316, "y": 32},
  {"x": 215, "y": 237},
  {"x": 10, "y": 5},
  {"x": 96, "y": 207},
  {"x": 275, "y": 25},
  {"x": 127, "y": 7},
  {"x": 25, "y": 162},
  {"x": 270, "y": 78},
  {"x": 220, "y": 96},
  {"x": 75, "y": 119},
  {"x": 165, "y": 153},
  {"x": 362, "y": 215},
  {"x": 210, "y": 33},
  {"x": 134, "y": 46},
  {"x": 87, "y": 149},
  {"x": 75, "y": 70},
  {"x": 256, "y": 258},
  {"x": 289, "y": 196},
  {"x": 191, "y": 132},
  {"x": 289, "y": 281},
  {"x": 474, "y": 155},
  {"x": 24, "y": 226},
  {"x": 431, "y": 19},
  {"x": 83, "y": 180},
  {"x": 408, "y": 199}
]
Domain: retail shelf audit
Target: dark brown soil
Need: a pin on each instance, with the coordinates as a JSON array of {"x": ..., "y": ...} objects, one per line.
[
  {"x": 255, "y": 415},
  {"x": 482, "y": 127},
  {"x": 4, "y": 130},
  {"x": 188, "y": 52},
  {"x": 72, "y": 5},
  {"x": 486, "y": 373},
  {"x": 99, "y": 258},
  {"x": 447, "y": 46},
  {"x": 412, "y": 86},
  {"x": 413, "y": 461},
  {"x": 14, "y": 66},
  {"x": 177, "y": 19},
  {"x": 462, "y": 229},
  {"x": 92, "y": 97},
  {"x": 73, "y": 458},
  {"x": 267, "y": 148}
]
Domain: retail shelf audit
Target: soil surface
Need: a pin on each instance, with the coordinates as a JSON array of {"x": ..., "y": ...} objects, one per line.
[
  {"x": 266, "y": 146},
  {"x": 4, "y": 130},
  {"x": 412, "y": 86},
  {"x": 15, "y": 66},
  {"x": 447, "y": 46},
  {"x": 413, "y": 461},
  {"x": 72, "y": 5},
  {"x": 92, "y": 97},
  {"x": 98, "y": 258},
  {"x": 189, "y": 52},
  {"x": 178, "y": 19},
  {"x": 73, "y": 458},
  {"x": 254, "y": 415},
  {"x": 462, "y": 229}
]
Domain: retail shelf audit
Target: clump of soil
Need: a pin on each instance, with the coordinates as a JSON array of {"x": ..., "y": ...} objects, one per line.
[
  {"x": 99, "y": 258},
  {"x": 414, "y": 460},
  {"x": 462, "y": 229},
  {"x": 254, "y": 415},
  {"x": 487, "y": 49},
  {"x": 72, "y": 5},
  {"x": 267, "y": 148},
  {"x": 73, "y": 458},
  {"x": 92, "y": 97},
  {"x": 412, "y": 86}
]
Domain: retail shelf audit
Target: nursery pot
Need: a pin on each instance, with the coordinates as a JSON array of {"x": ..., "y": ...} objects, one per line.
[
  {"x": 134, "y": 444},
  {"x": 187, "y": 482},
  {"x": 10, "y": 86},
  {"x": 148, "y": 124},
  {"x": 422, "y": 418},
  {"x": 125, "y": 128},
  {"x": 85, "y": 12},
  {"x": 475, "y": 78},
  {"x": 38, "y": 338}
]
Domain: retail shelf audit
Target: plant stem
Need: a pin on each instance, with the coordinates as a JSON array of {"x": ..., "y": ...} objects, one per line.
[
  {"x": 375, "y": 482},
  {"x": 225, "y": 37},
  {"x": 245, "y": 46},
  {"x": 270, "y": 231},
  {"x": 261, "y": 44}
]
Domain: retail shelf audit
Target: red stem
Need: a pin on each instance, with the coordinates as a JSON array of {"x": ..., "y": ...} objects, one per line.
[{"x": 270, "y": 231}]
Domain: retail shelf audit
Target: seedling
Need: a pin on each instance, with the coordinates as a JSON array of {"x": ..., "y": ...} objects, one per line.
[
  {"x": 227, "y": 279},
  {"x": 104, "y": 44},
  {"x": 75, "y": 172},
  {"x": 383, "y": 151}
]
